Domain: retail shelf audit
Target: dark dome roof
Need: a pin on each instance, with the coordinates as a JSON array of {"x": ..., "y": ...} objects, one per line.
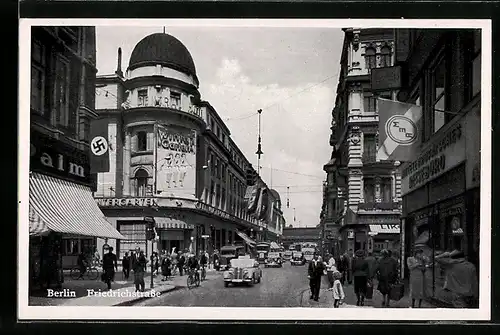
[{"x": 162, "y": 49}]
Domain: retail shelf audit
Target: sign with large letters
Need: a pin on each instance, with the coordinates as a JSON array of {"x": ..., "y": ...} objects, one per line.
[
  {"x": 127, "y": 202},
  {"x": 56, "y": 158},
  {"x": 441, "y": 155},
  {"x": 175, "y": 161}
]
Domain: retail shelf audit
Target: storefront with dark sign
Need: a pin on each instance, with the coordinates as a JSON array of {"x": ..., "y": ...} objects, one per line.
[
  {"x": 64, "y": 220},
  {"x": 441, "y": 213}
]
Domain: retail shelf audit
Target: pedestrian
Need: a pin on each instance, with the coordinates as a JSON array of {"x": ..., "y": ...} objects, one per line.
[
  {"x": 342, "y": 267},
  {"x": 338, "y": 290},
  {"x": 360, "y": 274},
  {"x": 387, "y": 275},
  {"x": 96, "y": 257},
  {"x": 126, "y": 266},
  {"x": 109, "y": 265},
  {"x": 350, "y": 256},
  {"x": 139, "y": 269},
  {"x": 180, "y": 263},
  {"x": 416, "y": 266},
  {"x": 82, "y": 264},
  {"x": 330, "y": 270},
  {"x": 461, "y": 282},
  {"x": 315, "y": 273},
  {"x": 165, "y": 267}
]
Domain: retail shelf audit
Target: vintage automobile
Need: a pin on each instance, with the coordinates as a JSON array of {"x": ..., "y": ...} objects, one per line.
[
  {"x": 274, "y": 260},
  {"x": 287, "y": 255},
  {"x": 243, "y": 270},
  {"x": 229, "y": 252},
  {"x": 298, "y": 258}
]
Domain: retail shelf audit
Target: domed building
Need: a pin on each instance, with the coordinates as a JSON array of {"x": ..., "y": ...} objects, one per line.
[{"x": 170, "y": 156}]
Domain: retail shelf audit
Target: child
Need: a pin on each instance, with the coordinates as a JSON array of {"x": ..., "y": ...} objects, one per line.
[{"x": 338, "y": 290}]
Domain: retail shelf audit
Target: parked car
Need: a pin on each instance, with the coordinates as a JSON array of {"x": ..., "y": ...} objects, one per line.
[
  {"x": 274, "y": 260},
  {"x": 298, "y": 258},
  {"x": 243, "y": 270},
  {"x": 287, "y": 255}
]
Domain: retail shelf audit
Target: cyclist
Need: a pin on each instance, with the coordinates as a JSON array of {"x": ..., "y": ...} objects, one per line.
[{"x": 193, "y": 266}]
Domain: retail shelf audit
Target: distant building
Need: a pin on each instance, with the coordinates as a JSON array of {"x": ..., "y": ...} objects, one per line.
[
  {"x": 293, "y": 235},
  {"x": 172, "y": 157},
  {"x": 362, "y": 198}
]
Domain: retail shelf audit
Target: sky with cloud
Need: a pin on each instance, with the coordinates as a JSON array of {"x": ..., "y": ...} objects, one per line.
[{"x": 290, "y": 73}]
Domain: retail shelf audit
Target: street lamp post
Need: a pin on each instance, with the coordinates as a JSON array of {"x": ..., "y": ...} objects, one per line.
[{"x": 259, "y": 147}]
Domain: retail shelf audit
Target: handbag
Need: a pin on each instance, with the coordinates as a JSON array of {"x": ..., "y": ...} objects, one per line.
[
  {"x": 369, "y": 290},
  {"x": 397, "y": 291}
]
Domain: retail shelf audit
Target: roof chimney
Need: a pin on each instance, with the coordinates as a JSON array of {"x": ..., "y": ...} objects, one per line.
[{"x": 119, "y": 66}]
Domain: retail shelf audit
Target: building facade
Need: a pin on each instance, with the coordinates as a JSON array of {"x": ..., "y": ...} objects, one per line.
[
  {"x": 63, "y": 217},
  {"x": 172, "y": 157},
  {"x": 362, "y": 198},
  {"x": 440, "y": 187}
]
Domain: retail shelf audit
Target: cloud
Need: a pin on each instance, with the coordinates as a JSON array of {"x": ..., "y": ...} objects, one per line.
[{"x": 295, "y": 131}]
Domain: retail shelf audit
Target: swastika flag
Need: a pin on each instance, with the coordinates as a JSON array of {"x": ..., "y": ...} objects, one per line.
[
  {"x": 99, "y": 146},
  {"x": 399, "y": 130}
]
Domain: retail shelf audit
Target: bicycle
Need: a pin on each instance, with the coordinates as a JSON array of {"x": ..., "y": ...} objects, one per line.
[
  {"x": 91, "y": 272},
  {"x": 193, "y": 279}
]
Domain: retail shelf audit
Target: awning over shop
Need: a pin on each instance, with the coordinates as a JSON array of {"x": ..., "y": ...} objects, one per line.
[
  {"x": 245, "y": 238},
  {"x": 65, "y": 207},
  {"x": 171, "y": 223},
  {"x": 385, "y": 228}
]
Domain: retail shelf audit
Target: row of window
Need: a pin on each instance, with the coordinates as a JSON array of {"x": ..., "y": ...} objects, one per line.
[
  {"x": 143, "y": 99},
  {"x": 438, "y": 82},
  {"x": 376, "y": 60}
]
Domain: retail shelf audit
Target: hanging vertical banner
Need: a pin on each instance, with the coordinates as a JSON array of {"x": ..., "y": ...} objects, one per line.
[
  {"x": 175, "y": 161},
  {"x": 252, "y": 196},
  {"x": 263, "y": 204},
  {"x": 99, "y": 146}
]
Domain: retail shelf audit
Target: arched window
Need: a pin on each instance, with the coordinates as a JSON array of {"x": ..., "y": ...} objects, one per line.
[
  {"x": 385, "y": 56},
  {"x": 370, "y": 58},
  {"x": 141, "y": 182}
]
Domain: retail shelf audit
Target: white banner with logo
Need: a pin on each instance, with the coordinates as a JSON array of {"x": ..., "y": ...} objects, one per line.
[{"x": 175, "y": 161}]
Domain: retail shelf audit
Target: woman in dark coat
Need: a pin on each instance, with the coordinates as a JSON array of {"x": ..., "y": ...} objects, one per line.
[
  {"x": 166, "y": 267},
  {"x": 360, "y": 273},
  {"x": 387, "y": 273}
]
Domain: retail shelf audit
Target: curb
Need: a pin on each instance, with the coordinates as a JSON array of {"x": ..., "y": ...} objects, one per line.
[{"x": 134, "y": 301}]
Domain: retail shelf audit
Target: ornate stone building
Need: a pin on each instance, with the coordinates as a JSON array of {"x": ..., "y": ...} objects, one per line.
[
  {"x": 362, "y": 198},
  {"x": 172, "y": 157}
]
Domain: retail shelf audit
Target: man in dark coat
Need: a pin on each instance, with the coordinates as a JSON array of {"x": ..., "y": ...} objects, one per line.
[
  {"x": 315, "y": 273},
  {"x": 387, "y": 274},
  {"x": 109, "y": 265},
  {"x": 126, "y": 266},
  {"x": 139, "y": 270}
]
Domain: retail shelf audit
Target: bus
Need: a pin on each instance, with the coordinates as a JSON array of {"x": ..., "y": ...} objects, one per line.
[
  {"x": 262, "y": 249},
  {"x": 308, "y": 253}
]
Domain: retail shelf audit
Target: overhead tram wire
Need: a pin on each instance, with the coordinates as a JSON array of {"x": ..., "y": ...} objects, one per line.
[{"x": 281, "y": 100}]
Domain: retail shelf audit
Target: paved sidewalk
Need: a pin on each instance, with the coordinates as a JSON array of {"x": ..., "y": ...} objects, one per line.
[{"x": 122, "y": 292}]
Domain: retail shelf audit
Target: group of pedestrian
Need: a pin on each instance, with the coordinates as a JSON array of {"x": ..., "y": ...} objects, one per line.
[{"x": 361, "y": 268}]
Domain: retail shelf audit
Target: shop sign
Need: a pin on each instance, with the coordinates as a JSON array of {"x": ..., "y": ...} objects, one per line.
[
  {"x": 448, "y": 185},
  {"x": 212, "y": 210},
  {"x": 53, "y": 157},
  {"x": 442, "y": 155},
  {"x": 378, "y": 219},
  {"x": 127, "y": 202}
]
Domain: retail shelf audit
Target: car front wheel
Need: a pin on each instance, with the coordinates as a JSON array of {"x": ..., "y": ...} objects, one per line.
[{"x": 226, "y": 284}]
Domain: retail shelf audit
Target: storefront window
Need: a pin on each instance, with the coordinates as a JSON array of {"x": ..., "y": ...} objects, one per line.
[{"x": 141, "y": 177}]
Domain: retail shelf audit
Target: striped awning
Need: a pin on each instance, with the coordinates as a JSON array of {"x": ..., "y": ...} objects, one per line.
[
  {"x": 245, "y": 238},
  {"x": 171, "y": 223},
  {"x": 385, "y": 228},
  {"x": 65, "y": 207}
]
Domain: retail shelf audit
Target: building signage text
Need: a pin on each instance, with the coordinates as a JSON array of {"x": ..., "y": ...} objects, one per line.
[
  {"x": 127, "y": 202},
  {"x": 379, "y": 219},
  {"x": 212, "y": 210},
  {"x": 433, "y": 161},
  {"x": 51, "y": 156},
  {"x": 176, "y": 141}
]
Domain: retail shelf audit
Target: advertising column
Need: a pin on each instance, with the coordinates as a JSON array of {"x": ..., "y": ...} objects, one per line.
[{"x": 175, "y": 161}]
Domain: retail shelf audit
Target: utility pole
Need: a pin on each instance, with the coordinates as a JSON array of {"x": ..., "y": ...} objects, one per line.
[
  {"x": 288, "y": 197},
  {"x": 259, "y": 147}
]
